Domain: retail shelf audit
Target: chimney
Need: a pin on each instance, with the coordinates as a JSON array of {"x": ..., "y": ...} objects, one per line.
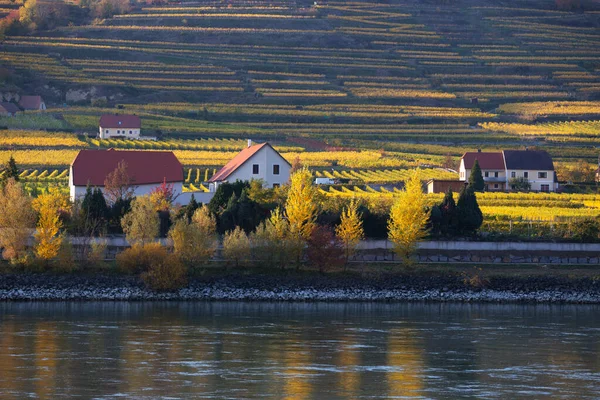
[{"x": 249, "y": 142}]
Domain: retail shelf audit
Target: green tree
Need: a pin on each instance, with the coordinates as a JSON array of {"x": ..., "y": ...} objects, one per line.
[
  {"x": 468, "y": 212},
  {"x": 141, "y": 224},
  {"x": 449, "y": 215},
  {"x": 222, "y": 195},
  {"x": 95, "y": 212},
  {"x": 476, "y": 178},
  {"x": 10, "y": 170},
  {"x": 408, "y": 218}
]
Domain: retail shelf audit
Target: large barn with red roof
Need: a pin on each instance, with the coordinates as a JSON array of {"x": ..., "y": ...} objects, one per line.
[
  {"x": 147, "y": 170},
  {"x": 259, "y": 161}
]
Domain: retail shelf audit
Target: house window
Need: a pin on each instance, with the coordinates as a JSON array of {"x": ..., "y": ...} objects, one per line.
[
  {"x": 495, "y": 186},
  {"x": 545, "y": 188},
  {"x": 525, "y": 174},
  {"x": 487, "y": 174},
  {"x": 130, "y": 132},
  {"x": 513, "y": 174},
  {"x": 275, "y": 169},
  {"x": 254, "y": 169},
  {"x": 275, "y": 185},
  {"x": 542, "y": 175},
  {"x": 118, "y": 131},
  {"x": 496, "y": 174}
]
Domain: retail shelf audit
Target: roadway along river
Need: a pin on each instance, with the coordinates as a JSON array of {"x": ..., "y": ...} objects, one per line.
[{"x": 298, "y": 351}]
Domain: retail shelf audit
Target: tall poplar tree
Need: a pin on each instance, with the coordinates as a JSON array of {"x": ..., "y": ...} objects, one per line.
[
  {"x": 408, "y": 218},
  {"x": 350, "y": 230}
]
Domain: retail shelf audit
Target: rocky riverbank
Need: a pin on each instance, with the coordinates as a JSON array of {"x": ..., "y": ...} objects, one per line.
[{"x": 405, "y": 287}]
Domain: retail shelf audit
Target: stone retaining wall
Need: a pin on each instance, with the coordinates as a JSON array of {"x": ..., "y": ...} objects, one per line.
[{"x": 445, "y": 251}]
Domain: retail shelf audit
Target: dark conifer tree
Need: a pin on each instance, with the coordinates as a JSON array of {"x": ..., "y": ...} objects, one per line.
[
  {"x": 476, "y": 178},
  {"x": 469, "y": 214}
]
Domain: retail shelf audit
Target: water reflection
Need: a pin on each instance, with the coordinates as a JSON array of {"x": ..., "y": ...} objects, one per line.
[{"x": 298, "y": 351}]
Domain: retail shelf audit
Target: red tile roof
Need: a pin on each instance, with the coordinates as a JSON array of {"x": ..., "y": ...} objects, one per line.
[
  {"x": 238, "y": 161},
  {"x": 486, "y": 160},
  {"x": 10, "y": 107},
  {"x": 120, "y": 121},
  {"x": 145, "y": 167},
  {"x": 30, "y": 102}
]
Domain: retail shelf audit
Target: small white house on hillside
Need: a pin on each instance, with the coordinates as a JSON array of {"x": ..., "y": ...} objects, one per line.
[
  {"x": 259, "y": 161},
  {"x": 128, "y": 126},
  {"x": 147, "y": 170},
  {"x": 32, "y": 103}
]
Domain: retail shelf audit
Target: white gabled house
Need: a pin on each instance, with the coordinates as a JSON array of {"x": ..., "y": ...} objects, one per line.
[
  {"x": 259, "y": 161},
  {"x": 127, "y": 126},
  {"x": 147, "y": 170},
  {"x": 499, "y": 169}
]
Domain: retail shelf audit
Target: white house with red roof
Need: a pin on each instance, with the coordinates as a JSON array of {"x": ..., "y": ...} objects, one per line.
[
  {"x": 492, "y": 168},
  {"x": 128, "y": 126},
  {"x": 259, "y": 161},
  {"x": 147, "y": 170},
  {"x": 32, "y": 103}
]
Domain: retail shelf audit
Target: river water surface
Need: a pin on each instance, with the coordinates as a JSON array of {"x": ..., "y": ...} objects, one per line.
[{"x": 298, "y": 351}]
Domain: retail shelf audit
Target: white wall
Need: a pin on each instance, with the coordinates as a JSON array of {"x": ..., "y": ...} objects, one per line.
[
  {"x": 536, "y": 183},
  {"x": 141, "y": 190},
  {"x": 265, "y": 158},
  {"x": 135, "y": 132},
  {"x": 201, "y": 197}
]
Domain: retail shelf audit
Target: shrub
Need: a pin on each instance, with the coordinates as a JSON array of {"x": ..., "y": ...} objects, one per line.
[
  {"x": 192, "y": 244},
  {"x": 65, "y": 259},
  {"x": 585, "y": 230},
  {"x": 137, "y": 258},
  {"x": 158, "y": 269},
  {"x": 165, "y": 273},
  {"x": 236, "y": 246},
  {"x": 325, "y": 250}
]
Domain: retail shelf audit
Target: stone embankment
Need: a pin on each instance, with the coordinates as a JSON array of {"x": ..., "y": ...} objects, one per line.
[{"x": 451, "y": 288}]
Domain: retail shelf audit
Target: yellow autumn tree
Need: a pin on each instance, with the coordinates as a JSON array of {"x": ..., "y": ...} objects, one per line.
[
  {"x": 236, "y": 246},
  {"x": 301, "y": 206},
  {"x": 47, "y": 236},
  {"x": 350, "y": 230},
  {"x": 408, "y": 218},
  {"x": 194, "y": 242},
  {"x": 141, "y": 224}
]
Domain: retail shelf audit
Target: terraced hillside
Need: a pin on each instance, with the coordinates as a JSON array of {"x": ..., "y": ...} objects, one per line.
[{"x": 420, "y": 79}]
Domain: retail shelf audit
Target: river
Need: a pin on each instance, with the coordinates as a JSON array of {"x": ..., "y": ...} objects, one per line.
[{"x": 149, "y": 350}]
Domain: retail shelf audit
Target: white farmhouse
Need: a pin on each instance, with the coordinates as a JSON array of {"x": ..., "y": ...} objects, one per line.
[
  {"x": 501, "y": 169},
  {"x": 147, "y": 170},
  {"x": 260, "y": 161},
  {"x": 128, "y": 126},
  {"x": 492, "y": 169}
]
